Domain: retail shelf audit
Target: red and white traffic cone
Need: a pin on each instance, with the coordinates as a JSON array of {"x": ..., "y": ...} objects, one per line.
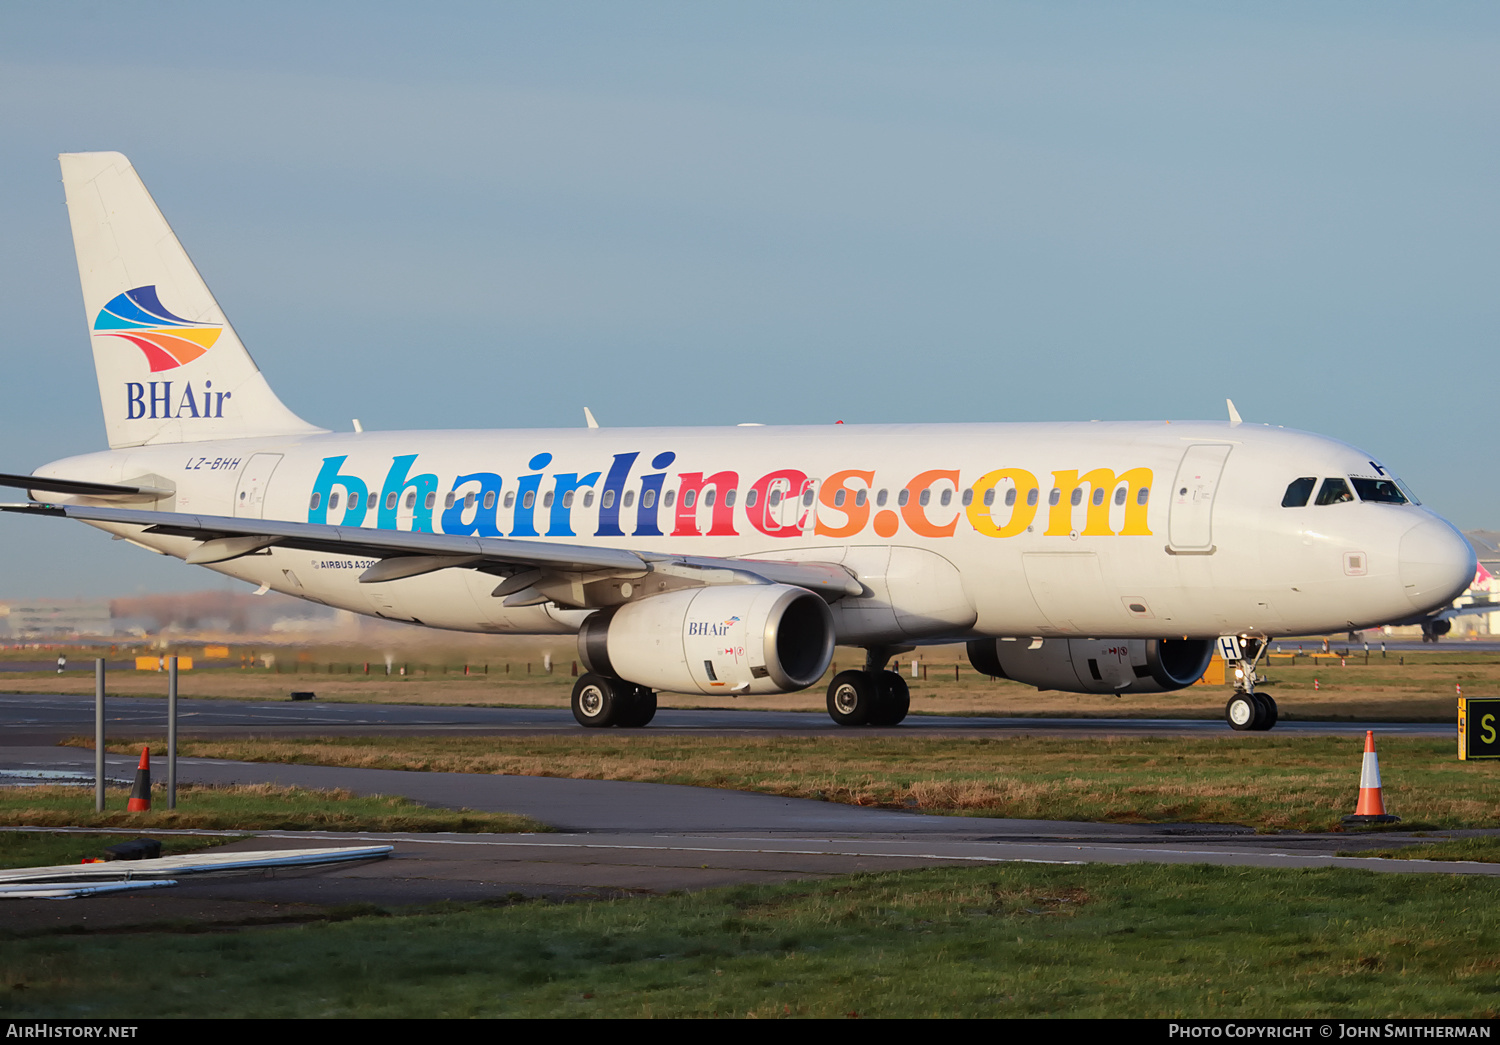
[
  {"x": 1371, "y": 808},
  {"x": 140, "y": 792}
]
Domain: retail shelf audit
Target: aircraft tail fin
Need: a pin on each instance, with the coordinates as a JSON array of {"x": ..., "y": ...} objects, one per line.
[{"x": 170, "y": 367}]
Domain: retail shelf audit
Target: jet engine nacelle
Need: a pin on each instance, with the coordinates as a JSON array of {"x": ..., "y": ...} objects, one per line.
[
  {"x": 1095, "y": 665},
  {"x": 738, "y": 638}
]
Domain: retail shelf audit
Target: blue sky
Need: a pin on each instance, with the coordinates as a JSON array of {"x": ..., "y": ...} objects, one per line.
[{"x": 489, "y": 215}]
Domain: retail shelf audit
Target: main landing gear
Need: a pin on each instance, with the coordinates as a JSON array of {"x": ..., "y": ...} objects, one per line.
[
  {"x": 599, "y": 701},
  {"x": 872, "y": 697},
  {"x": 1247, "y": 709}
]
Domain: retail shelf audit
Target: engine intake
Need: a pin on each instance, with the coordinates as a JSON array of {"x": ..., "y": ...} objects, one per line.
[
  {"x": 1095, "y": 665},
  {"x": 740, "y": 638}
]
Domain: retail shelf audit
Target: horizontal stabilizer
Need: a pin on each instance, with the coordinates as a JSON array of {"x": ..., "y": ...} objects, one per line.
[{"x": 80, "y": 488}]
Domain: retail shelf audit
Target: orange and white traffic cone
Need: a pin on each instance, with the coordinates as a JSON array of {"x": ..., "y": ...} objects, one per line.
[
  {"x": 140, "y": 792},
  {"x": 1371, "y": 808}
]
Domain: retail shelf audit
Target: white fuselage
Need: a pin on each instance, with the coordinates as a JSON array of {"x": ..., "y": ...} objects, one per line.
[{"x": 1157, "y": 530}]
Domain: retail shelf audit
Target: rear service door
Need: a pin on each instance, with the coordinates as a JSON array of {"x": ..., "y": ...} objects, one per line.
[{"x": 255, "y": 477}]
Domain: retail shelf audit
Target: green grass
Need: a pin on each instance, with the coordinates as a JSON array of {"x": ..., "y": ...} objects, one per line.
[
  {"x": 1485, "y": 848},
  {"x": 258, "y": 807},
  {"x": 46, "y": 848},
  {"x": 1269, "y": 781},
  {"x": 1008, "y": 941}
]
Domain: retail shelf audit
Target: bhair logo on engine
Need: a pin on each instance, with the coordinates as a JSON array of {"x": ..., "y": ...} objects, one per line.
[{"x": 696, "y": 627}]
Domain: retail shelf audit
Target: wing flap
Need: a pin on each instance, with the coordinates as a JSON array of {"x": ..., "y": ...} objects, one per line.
[{"x": 404, "y": 553}]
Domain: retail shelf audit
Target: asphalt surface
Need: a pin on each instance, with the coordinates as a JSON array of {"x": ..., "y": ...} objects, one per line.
[{"x": 40, "y": 719}]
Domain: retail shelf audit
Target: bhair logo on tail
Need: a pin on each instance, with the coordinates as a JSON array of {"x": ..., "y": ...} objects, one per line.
[
  {"x": 168, "y": 341},
  {"x": 139, "y": 285}
]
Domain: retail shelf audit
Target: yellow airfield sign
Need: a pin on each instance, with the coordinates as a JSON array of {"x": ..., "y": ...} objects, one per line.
[{"x": 1478, "y": 728}]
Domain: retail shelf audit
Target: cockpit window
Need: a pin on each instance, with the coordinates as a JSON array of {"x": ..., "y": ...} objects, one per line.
[
  {"x": 1334, "y": 491},
  {"x": 1384, "y": 491},
  {"x": 1298, "y": 491}
]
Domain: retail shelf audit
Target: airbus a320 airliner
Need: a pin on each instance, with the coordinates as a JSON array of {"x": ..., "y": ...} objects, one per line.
[{"x": 1085, "y": 557}]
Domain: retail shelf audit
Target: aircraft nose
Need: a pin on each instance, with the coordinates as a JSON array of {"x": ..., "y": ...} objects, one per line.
[{"x": 1437, "y": 564}]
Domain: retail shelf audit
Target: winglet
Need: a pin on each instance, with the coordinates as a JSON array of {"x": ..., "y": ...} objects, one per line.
[
  {"x": 588, "y": 415},
  {"x": 1234, "y": 415}
]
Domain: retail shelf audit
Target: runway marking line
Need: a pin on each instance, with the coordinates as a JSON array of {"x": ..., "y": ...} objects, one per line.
[{"x": 1368, "y": 863}]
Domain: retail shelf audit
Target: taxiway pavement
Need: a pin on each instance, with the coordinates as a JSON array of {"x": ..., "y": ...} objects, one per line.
[{"x": 45, "y": 719}]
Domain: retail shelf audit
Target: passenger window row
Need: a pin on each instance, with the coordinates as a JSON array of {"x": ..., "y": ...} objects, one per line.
[{"x": 861, "y": 497}]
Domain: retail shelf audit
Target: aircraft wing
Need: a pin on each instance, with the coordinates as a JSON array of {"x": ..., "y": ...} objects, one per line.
[
  {"x": 534, "y": 571},
  {"x": 1464, "y": 611}
]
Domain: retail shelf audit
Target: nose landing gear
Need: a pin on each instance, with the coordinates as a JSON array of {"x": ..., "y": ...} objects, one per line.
[
  {"x": 1250, "y": 711},
  {"x": 1246, "y": 709}
]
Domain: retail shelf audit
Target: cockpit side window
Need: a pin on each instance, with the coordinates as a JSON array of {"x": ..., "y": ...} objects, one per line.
[
  {"x": 1298, "y": 491},
  {"x": 1383, "y": 491},
  {"x": 1334, "y": 491}
]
